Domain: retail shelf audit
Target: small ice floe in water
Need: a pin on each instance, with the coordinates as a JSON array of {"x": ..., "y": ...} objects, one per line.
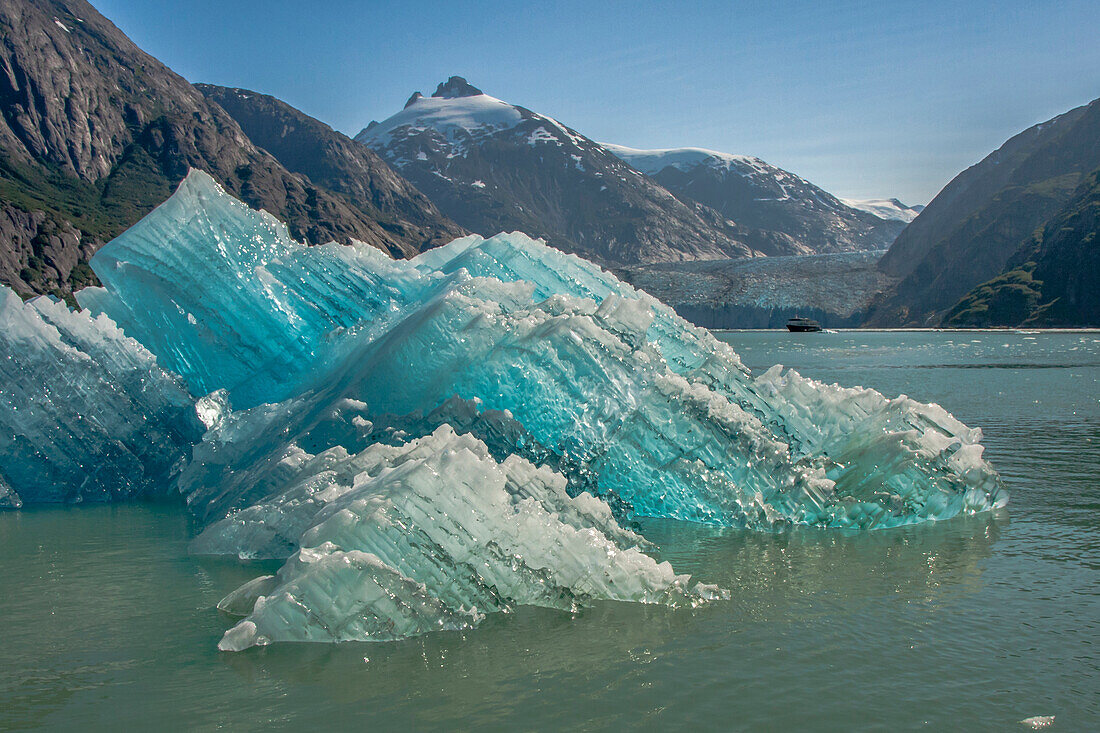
[{"x": 1038, "y": 722}]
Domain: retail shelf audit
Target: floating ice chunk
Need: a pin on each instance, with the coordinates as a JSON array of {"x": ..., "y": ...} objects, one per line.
[
  {"x": 86, "y": 414},
  {"x": 601, "y": 375},
  {"x": 894, "y": 461},
  {"x": 432, "y": 535},
  {"x": 8, "y": 498},
  {"x": 324, "y": 594},
  {"x": 248, "y": 455},
  {"x": 255, "y": 456},
  {"x": 584, "y": 385}
]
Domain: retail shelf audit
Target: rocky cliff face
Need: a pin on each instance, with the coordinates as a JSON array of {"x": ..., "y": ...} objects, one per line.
[
  {"x": 94, "y": 133},
  {"x": 493, "y": 166},
  {"x": 975, "y": 226}
]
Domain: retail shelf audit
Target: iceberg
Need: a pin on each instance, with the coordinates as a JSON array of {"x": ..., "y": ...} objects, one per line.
[
  {"x": 429, "y": 535},
  {"x": 423, "y": 442},
  {"x": 662, "y": 414},
  {"x": 227, "y": 299},
  {"x": 249, "y": 455},
  {"x": 86, "y": 414}
]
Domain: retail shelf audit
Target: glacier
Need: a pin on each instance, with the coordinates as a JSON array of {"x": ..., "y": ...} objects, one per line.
[
  {"x": 426, "y": 441},
  {"x": 765, "y": 292}
]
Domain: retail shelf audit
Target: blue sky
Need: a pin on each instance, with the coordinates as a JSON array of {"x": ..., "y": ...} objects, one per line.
[{"x": 867, "y": 99}]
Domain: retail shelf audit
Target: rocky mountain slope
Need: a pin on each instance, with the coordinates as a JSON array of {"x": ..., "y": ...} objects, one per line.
[
  {"x": 94, "y": 133},
  {"x": 975, "y": 227},
  {"x": 1053, "y": 280},
  {"x": 764, "y": 198},
  {"x": 311, "y": 148},
  {"x": 493, "y": 166}
]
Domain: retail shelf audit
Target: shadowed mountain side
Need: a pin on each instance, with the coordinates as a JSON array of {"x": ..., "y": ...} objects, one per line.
[
  {"x": 1054, "y": 280},
  {"x": 975, "y": 226},
  {"x": 331, "y": 159}
]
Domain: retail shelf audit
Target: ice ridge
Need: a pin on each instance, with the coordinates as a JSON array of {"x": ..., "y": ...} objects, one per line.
[
  {"x": 431, "y": 535},
  {"x": 86, "y": 414}
]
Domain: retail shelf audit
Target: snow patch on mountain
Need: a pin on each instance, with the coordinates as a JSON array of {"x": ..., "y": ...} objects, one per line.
[
  {"x": 456, "y": 119},
  {"x": 758, "y": 195},
  {"x": 541, "y": 135},
  {"x": 684, "y": 159},
  {"x": 771, "y": 179},
  {"x": 885, "y": 208}
]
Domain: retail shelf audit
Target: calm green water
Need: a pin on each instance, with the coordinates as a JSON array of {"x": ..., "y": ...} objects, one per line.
[{"x": 974, "y": 624}]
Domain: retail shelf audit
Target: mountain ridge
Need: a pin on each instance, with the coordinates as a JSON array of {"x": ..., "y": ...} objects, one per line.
[
  {"x": 493, "y": 166},
  {"x": 765, "y": 199},
  {"x": 311, "y": 148},
  {"x": 973, "y": 228},
  {"x": 75, "y": 175},
  {"x": 1052, "y": 280}
]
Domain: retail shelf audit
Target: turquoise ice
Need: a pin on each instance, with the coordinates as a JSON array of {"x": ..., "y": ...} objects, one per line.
[
  {"x": 425, "y": 442},
  {"x": 603, "y": 375},
  {"x": 86, "y": 414}
]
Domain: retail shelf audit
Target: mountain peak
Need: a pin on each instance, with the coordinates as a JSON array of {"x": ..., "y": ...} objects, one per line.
[
  {"x": 416, "y": 96},
  {"x": 456, "y": 87}
]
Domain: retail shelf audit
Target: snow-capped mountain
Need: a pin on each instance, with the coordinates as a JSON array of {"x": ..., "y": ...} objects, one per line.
[
  {"x": 493, "y": 166},
  {"x": 766, "y": 198},
  {"x": 886, "y": 208},
  {"x": 458, "y": 113}
]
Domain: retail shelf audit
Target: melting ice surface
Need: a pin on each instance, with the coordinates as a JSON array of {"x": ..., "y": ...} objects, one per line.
[
  {"x": 429, "y": 440},
  {"x": 85, "y": 412},
  {"x": 432, "y": 534}
]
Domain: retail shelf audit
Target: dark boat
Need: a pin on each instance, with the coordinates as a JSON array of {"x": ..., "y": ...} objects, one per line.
[{"x": 798, "y": 324}]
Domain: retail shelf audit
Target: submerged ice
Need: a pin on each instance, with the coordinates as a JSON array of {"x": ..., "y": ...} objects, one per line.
[{"x": 426, "y": 441}]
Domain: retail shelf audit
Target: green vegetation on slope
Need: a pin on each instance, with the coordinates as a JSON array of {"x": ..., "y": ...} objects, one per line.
[{"x": 1052, "y": 280}]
